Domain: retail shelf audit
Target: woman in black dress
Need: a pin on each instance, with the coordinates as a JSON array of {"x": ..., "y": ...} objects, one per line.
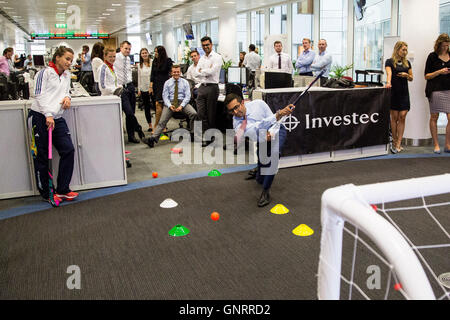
[
  {"x": 161, "y": 68},
  {"x": 437, "y": 74},
  {"x": 399, "y": 72}
]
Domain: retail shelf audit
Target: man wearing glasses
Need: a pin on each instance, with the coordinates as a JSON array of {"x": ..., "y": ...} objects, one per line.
[
  {"x": 256, "y": 120},
  {"x": 208, "y": 68}
]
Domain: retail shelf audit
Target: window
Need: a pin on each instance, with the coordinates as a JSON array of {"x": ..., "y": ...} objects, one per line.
[
  {"x": 369, "y": 35},
  {"x": 203, "y": 30},
  {"x": 135, "y": 44},
  {"x": 257, "y": 30},
  {"x": 302, "y": 27},
  {"x": 278, "y": 19},
  {"x": 214, "y": 27},
  {"x": 38, "y": 48},
  {"x": 444, "y": 16},
  {"x": 242, "y": 32},
  {"x": 333, "y": 28}
]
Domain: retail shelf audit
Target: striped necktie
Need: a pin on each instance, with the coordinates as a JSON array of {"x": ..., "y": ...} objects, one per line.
[{"x": 125, "y": 74}]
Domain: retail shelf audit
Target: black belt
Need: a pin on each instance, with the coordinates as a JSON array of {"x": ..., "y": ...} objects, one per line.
[
  {"x": 209, "y": 84},
  {"x": 128, "y": 84}
]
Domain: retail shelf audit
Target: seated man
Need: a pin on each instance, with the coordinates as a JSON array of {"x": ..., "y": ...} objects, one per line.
[
  {"x": 255, "y": 119},
  {"x": 175, "y": 89}
]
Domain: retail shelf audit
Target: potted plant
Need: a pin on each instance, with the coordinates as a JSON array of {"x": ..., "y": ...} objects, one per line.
[{"x": 338, "y": 79}]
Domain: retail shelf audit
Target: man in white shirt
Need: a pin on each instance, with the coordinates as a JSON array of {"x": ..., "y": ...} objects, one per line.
[
  {"x": 322, "y": 61},
  {"x": 208, "y": 68},
  {"x": 280, "y": 60},
  {"x": 192, "y": 73},
  {"x": 122, "y": 68},
  {"x": 252, "y": 60}
]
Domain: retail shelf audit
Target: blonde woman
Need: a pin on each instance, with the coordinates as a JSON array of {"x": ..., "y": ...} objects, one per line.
[
  {"x": 437, "y": 74},
  {"x": 399, "y": 72}
]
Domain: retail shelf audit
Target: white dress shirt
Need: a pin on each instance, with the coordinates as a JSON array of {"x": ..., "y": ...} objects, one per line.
[
  {"x": 96, "y": 64},
  {"x": 286, "y": 63},
  {"x": 193, "y": 74},
  {"x": 144, "y": 77},
  {"x": 252, "y": 61},
  {"x": 122, "y": 68},
  {"x": 209, "y": 68}
]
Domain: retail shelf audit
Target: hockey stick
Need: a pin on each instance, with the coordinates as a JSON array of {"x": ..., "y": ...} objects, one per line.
[{"x": 51, "y": 189}]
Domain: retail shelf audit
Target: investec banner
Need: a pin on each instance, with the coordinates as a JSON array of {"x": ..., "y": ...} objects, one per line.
[{"x": 332, "y": 120}]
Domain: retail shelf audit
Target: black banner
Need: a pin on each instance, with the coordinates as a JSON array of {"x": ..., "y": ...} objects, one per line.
[{"x": 329, "y": 120}]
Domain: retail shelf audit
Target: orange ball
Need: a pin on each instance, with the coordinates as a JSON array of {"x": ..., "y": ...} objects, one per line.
[
  {"x": 215, "y": 216},
  {"x": 155, "y": 174}
]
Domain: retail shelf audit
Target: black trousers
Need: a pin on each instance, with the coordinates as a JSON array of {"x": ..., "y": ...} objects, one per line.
[
  {"x": 63, "y": 144},
  {"x": 128, "y": 98},
  {"x": 147, "y": 104},
  {"x": 207, "y": 105}
]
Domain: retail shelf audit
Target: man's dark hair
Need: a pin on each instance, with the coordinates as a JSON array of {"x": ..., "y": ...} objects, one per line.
[
  {"x": 125, "y": 42},
  {"x": 251, "y": 47},
  {"x": 86, "y": 48},
  {"x": 9, "y": 49},
  {"x": 60, "y": 52},
  {"x": 206, "y": 38},
  {"x": 278, "y": 41},
  {"x": 230, "y": 97},
  {"x": 176, "y": 66},
  {"x": 194, "y": 51}
]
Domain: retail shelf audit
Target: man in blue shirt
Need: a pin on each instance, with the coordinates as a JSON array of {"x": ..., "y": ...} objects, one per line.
[
  {"x": 256, "y": 120},
  {"x": 305, "y": 60},
  {"x": 176, "y": 95},
  {"x": 322, "y": 61},
  {"x": 86, "y": 60}
]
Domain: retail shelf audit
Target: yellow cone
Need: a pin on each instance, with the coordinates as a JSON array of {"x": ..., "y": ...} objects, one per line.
[
  {"x": 163, "y": 137},
  {"x": 303, "y": 231},
  {"x": 279, "y": 209}
]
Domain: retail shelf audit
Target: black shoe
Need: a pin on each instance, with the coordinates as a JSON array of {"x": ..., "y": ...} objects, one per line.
[
  {"x": 264, "y": 200},
  {"x": 151, "y": 142},
  {"x": 133, "y": 140},
  {"x": 141, "y": 134},
  {"x": 251, "y": 174}
]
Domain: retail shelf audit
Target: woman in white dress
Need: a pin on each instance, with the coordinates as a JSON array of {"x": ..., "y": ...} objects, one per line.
[{"x": 144, "y": 71}]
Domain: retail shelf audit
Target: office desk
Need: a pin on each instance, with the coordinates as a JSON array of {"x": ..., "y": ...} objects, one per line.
[{"x": 332, "y": 124}]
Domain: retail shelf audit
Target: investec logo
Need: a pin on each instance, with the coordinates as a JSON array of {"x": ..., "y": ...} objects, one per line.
[{"x": 292, "y": 122}]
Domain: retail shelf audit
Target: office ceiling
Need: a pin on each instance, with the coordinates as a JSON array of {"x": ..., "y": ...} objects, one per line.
[{"x": 112, "y": 16}]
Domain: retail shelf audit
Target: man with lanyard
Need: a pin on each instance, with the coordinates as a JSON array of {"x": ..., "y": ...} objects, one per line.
[
  {"x": 52, "y": 98},
  {"x": 176, "y": 96},
  {"x": 208, "y": 68},
  {"x": 256, "y": 120},
  {"x": 280, "y": 60},
  {"x": 305, "y": 59},
  {"x": 322, "y": 61},
  {"x": 122, "y": 68}
]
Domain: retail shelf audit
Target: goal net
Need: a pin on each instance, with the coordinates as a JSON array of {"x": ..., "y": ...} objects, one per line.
[{"x": 386, "y": 240}]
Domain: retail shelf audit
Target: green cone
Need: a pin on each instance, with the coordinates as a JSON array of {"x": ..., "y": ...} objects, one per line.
[
  {"x": 179, "y": 231},
  {"x": 214, "y": 173}
]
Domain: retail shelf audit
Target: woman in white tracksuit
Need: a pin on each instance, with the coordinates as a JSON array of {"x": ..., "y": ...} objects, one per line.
[{"x": 107, "y": 77}]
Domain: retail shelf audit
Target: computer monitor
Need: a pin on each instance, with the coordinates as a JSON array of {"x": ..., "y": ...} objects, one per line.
[
  {"x": 222, "y": 76},
  {"x": 234, "y": 75},
  {"x": 274, "y": 80},
  {"x": 131, "y": 58},
  {"x": 38, "y": 60}
]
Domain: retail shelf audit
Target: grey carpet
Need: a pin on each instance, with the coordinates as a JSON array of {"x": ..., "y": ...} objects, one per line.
[{"x": 123, "y": 249}]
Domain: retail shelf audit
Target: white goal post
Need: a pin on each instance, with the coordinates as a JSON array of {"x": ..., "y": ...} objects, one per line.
[{"x": 352, "y": 203}]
